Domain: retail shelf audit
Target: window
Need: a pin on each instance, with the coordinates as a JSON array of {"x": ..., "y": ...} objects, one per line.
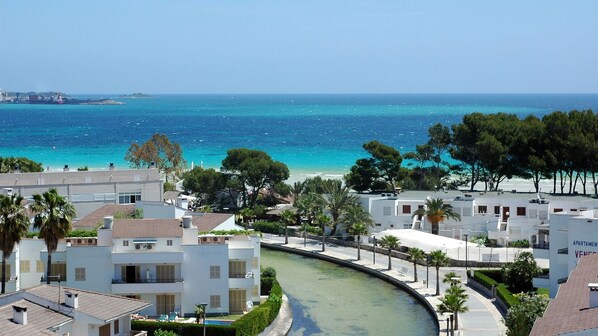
[
  {"x": 214, "y": 272},
  {"x": 60, "y": 270},
  {"x": 237, "y": 299},
  {"x": 105, "y": 330},
  {"x": 39, "y": 266},
  {"x": 558, "y": 210},
  {"x": 169, "y": 242},
  {"x": 386, "y": 211},
  {"x": 406, "y": 209},
  {"x": 164, "y": 304},
  {"x": 482, "y": 209},
  {"x": 79, "y": 274},
  {"x": 214, "y": 301},
  {"x": 129, "y": 198},
  {"x": 520, "y": 211},
  {"x": 125, "y": 243},
  {"x": 116, "y": 327},
  {"x": 236, "y": 269},
  {"x": 165, "y": 273},
  {"x": 25, "y": 266}
]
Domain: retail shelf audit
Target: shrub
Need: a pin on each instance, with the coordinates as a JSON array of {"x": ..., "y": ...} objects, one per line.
[
  {"x": 484, "y": 280},
  {"x": 269, "y": 272},
  {"x": 495, "y": 274},
  {"x": 182, "y": 329},
  {"x": 268, "y": 227},
  {"x": 519, "y": 243},
  {"x": 266, "y": 285},
  {"x": 260, "y": 317},
  {"x": 519, "y": 274}
]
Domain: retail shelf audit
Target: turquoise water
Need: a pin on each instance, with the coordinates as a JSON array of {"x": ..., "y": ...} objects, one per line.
[
  {"x": 307, "y": 132},
  {"x": 328, "y": 299}
]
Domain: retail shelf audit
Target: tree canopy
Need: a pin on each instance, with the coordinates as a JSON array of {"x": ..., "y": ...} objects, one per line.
[
  {"x": 25, "y": 165},
  {"x": 380, "y": 171},
  {"x": 251, "y": 171},
  {"x": 167, "y": 156}
]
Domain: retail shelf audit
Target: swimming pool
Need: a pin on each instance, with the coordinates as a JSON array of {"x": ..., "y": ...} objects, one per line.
[{"x": 218, "y": 322}]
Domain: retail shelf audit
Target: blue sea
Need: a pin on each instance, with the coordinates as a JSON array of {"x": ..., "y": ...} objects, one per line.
[{"x": 310, "y": 133}]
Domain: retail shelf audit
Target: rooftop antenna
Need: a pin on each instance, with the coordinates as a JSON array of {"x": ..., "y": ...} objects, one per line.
[{"x": 57, "y": 277}]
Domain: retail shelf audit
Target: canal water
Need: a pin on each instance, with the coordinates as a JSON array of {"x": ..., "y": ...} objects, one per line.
[{"x": 328, "y": 299}]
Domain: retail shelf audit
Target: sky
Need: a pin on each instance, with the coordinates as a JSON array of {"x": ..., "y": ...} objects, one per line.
[{"x": 299, "y": 46}]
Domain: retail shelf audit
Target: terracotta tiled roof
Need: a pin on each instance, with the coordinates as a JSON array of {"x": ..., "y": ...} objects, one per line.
[
  {"x": 570, "y": 312},
  {"x": 105, "y": 307},
  {"x": 147, "y": 228},
  {"x": 39, "y": 319},
  {"x": 97, "y": 217},
  {"x": 209, "y": 221}
]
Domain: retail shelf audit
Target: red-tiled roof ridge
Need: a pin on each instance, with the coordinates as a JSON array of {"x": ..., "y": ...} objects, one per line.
[
  {"x": 147, "y": 228},
  {"x": 570, "y": 310}
]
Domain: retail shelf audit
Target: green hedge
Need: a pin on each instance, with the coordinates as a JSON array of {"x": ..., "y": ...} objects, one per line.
[
  {"x": 261, "y": 316},
  {"x": 182, "y": 329},
  {"x": 266, "y": 285},
  {"x": 268, "y": 227},
  {"x": 486, "y": 279}
]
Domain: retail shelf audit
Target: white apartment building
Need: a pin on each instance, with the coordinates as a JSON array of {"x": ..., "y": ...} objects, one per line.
[
  {"x": 572, "y": 236},
  {"x": 163, "y": 262},
  {"x": 498, "y": 215},
  {"x": 89, "y": 190}
]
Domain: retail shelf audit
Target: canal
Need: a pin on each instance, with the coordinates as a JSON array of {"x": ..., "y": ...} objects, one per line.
[{"x": 328, "y": 299}]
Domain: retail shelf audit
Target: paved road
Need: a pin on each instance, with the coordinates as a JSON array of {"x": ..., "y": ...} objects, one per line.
[{"x": 482, "y": 319}]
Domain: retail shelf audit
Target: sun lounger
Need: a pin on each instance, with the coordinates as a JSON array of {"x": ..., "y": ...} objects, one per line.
[
  {"x": 172, "y": 317},
  {"x": 163, "y": 318}
]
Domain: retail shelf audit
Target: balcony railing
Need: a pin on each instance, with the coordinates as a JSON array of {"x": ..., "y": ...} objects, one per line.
[
  {"x": 541, "y": 246},
  {"x": 150, "y": 281},
  {"x": 54, "y": 278},
  {"x": 237, "y": 275}
]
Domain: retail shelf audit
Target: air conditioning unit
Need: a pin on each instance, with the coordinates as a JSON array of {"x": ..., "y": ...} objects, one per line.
[
  {"x": 149, "y": 246},
  {"x": 137, "y": 246}
]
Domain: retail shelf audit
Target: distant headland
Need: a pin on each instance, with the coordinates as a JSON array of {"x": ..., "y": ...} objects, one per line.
[
  {"x": 50, "y": 98},
  {"x": 136, "y": 95}
]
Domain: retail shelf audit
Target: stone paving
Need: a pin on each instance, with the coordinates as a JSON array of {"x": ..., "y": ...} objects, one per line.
[{"x": 482, "y": 319}]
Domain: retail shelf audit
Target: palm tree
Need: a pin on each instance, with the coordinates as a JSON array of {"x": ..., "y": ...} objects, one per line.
[
  {"x": 451, "y": 278},
  {"x": 53, "y": 219},
  {"x": 14, "y": 225},
  {"x": 390, "y": 242},
  {"x": 199, "y": 312},
  {"x": 416, "y": 255},
  {"x": 437, "y": 211},
  {"x": 438, "y": 259},
  {"x": 335, "y": 200},
  {"x": 454, "y": 302},
  {"x": 359, "y": 222},
  {"x": 308, "y": 205},
  {"x": 287, "y": 217},
  {"x": 324, "y": 221}
]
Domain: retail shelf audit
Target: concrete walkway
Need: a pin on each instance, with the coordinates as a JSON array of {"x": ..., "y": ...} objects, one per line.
[{"x": 482, "y": 319}]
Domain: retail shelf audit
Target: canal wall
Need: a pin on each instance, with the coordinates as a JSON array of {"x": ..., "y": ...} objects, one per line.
[{"x": 348, "y": 263}]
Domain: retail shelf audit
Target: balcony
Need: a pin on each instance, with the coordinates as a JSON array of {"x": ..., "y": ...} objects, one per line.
[
  {"x": 147, "y": 257},
  {"x": 241, "y": 280},
  {"x": 141, "y": 286}
]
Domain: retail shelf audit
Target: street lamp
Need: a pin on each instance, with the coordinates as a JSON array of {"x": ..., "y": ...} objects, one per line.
[
  {"x": 374, "y": 249},
  {"x": 304, "y": 234},
  {"x": 203, "y": 309},
  {"x": 466, "y": 236},
  {"x": 427, "y": 270},
  {"x": 507, "y": 242}
]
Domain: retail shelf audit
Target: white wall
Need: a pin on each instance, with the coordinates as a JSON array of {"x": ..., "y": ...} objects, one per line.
[
  {"x": 98, "y": 267},
  {"x": 196, "y": 274}
]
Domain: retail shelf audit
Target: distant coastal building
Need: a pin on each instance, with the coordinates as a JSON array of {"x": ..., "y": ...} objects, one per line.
[
  {"x": 574, "y": 311},
  {"x": 89, "y": 190}
]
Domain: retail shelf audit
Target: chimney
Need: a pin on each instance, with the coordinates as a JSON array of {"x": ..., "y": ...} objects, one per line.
[
  {"x": 66, "y": 168},
  {"x": 182, "y": 202},
  {"x": 108, "y": 221},
  {"x": 187, "y": 221},
  {"x": 111, "y": 166},
  {"x": 71, "y": 300},
  {"x": 19, "y": 315}
]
